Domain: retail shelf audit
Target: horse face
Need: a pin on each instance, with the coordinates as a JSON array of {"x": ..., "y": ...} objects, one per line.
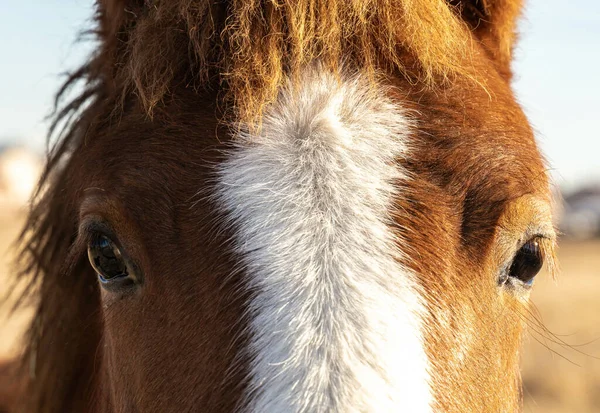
[
  {"x": 369, "y": 247},
  {"x": 399, "y": 257}
]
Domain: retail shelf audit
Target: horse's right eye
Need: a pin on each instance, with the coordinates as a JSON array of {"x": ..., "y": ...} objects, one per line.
[
  {"x": 527, "y": 262},
  {"x": 107, "y": 260}
]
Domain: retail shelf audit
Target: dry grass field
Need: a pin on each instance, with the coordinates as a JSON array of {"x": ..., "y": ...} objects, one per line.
[{"x": 561, "y": 369}]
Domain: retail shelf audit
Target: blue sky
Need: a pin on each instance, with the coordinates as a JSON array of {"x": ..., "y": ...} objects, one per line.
[
  {"x": 558, "y": 84},
  {"x": 557, "y": 74}
]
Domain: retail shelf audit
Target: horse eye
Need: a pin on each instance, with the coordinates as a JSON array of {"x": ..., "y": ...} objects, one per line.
[
  {"x": 527, "y": 263},
  {"x": 106, "y": 259}
]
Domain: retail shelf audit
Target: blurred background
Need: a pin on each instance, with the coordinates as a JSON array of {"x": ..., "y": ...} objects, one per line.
[{"x": 556, "y": 81}]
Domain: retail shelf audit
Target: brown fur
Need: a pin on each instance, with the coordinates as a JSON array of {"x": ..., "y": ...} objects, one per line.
[
  {"x": 470, "y": 167},
  {"x": 178, "y": 346}
]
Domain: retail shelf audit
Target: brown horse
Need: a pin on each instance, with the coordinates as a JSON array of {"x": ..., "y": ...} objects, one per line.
[{"x": 288, "y": 206}]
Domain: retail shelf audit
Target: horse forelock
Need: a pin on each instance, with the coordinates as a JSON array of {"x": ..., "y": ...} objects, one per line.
[{"x": 252, "y": 46}]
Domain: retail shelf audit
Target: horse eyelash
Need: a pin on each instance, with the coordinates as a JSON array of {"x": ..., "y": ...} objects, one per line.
[{"x": 548, "y": 249}]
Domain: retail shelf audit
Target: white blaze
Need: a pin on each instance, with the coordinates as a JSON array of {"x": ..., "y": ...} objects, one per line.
[{"x": 335, "y": 320}]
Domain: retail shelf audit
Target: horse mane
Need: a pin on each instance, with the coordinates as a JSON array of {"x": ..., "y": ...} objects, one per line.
[
  {"x": 246, "y": 48},
  {"x": 56, "y": 363}
]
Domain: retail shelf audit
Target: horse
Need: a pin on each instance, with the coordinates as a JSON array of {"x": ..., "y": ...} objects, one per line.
[{"x": 287, "y": 206}]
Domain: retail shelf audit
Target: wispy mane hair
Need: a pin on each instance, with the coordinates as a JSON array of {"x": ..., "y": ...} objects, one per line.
[{"x": 250, "y": 46}]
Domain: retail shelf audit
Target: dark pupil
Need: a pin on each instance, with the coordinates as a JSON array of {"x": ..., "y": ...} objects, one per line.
[
  {"x": 106, "y": 259},
  {"x": 527, "y": 262}
]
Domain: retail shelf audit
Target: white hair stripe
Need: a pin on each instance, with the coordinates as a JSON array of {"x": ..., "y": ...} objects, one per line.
[{"x": 335, "y": 319}]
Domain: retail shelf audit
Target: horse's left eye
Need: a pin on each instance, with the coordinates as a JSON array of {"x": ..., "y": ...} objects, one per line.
[
  {"x": 528, "y": 262},
  {"x": 107, "y": 260}
]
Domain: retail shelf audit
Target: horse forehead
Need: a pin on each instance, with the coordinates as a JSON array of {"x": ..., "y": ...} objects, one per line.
[{"x": 475, "y": 145}]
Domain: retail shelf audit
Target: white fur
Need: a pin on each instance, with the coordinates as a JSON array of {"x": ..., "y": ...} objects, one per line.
[{"x": 335, "y": 319}]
